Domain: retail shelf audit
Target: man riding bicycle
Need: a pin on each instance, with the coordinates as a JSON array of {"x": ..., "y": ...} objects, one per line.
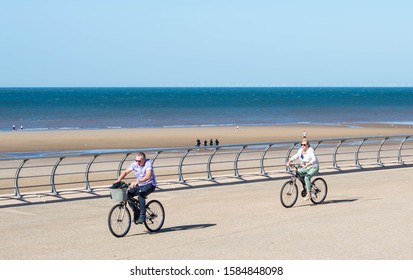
[
  {"x": 144, "y": 185},
  {"x": 309, "y": 163}
]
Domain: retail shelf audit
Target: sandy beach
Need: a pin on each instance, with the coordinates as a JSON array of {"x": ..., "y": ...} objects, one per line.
[{"x": 52, "y": 140}]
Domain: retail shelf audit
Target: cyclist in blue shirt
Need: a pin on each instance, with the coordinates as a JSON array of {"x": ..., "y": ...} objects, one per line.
[{"x": 144, "y": 185}]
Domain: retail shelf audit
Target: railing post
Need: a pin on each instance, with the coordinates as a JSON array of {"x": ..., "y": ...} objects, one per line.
[
  {"x": 262, "y": 160},
  {"x": 181, "y": 177},
  {"x": 399, "y": 158},
  {"x": 16, "y": 179},
  {"x": 119, "y": 171},
  {"x": 318, "y": 144},
  {"x": 335, "y": 154},
  {"x": 88, "y": 188},
  {"x": 156, "y": 156},
  {"x": 236, "y": 172},
  {"x": 287, "y": 156},
  {"x": 356, "y": 156},
  {"x": 52, "y": 176},
  {"x": 379, "y": 151},
  {"x": 209, "y": 173}
]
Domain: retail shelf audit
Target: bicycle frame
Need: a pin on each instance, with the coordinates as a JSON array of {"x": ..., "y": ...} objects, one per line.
[{"x": 296, "y": 176}]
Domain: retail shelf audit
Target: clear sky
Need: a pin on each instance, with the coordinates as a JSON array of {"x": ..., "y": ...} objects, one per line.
[{"x": 206, "y": 43}]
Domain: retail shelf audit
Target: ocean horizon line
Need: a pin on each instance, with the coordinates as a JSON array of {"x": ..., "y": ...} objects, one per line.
[{"x": 208, "y": 87}]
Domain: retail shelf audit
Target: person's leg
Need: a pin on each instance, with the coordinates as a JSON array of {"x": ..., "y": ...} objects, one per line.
[
  {"x": 304, "y": 173},
  {"x": 311, "y": 172},
  {"x": 131, "y": 193},
  {"x": 143, "y": 192}
]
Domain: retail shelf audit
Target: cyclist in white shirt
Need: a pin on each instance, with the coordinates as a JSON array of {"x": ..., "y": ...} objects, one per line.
[{"x": 309, "y": 163}]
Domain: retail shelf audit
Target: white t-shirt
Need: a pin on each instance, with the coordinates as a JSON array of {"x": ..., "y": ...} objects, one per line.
[{"x": 308, "y": 157}]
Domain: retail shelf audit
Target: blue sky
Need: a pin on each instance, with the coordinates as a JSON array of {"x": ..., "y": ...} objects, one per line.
[{"x": 206, "y": 43}]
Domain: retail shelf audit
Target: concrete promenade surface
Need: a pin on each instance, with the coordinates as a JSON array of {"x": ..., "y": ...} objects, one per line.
[{"x": 367, "y": 215}]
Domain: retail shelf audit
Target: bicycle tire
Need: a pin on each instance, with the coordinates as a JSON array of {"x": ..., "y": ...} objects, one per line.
[
  {"x": 119, "y": 224},
  {"x": 155, "y": 216},
  {"x": 318, "y": 190},
  {"x": 289, "y": 194}
]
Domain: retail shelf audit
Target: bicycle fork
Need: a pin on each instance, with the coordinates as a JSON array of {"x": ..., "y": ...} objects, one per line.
[
  {"x": 121, "y": 214},
  {"x": 290, "y": 190}
]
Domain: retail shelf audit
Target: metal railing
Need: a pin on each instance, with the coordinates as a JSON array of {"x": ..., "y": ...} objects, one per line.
[{"x": 88, "y": 170}]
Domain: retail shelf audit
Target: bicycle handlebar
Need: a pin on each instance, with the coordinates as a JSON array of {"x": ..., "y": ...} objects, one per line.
[{"x": 294, "y": 166}]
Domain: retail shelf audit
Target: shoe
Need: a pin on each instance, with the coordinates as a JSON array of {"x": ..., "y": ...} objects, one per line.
[
  {"x": 307, "y": 197},
  {"x": 140, "y": 220}
]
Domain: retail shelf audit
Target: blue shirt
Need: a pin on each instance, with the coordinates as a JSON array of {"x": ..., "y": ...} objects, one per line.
[{"x": 140, "y": 172}]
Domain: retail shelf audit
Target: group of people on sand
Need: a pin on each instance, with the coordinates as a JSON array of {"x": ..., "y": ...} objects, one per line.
[
  {"x": 14, "y": 127},
  {"x": 211, "y": 142},
  {"x": 145, "y": 182}
]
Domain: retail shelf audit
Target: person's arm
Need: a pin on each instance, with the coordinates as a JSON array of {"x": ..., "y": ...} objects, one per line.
[
  {"x": 294, "y": 157},
  {"x": 145, "y": 178},
  {"x": 123, "y": 175}
]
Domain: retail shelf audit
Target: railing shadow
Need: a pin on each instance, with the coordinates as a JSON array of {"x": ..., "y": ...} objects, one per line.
[
  {"x": 19, "y": 202},
  {"x": 191, "y": 185}
]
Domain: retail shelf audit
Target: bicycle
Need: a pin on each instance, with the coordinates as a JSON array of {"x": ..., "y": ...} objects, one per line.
[
  {"x": 289, "y": 191},
  {"x": 119, "y": 219}
]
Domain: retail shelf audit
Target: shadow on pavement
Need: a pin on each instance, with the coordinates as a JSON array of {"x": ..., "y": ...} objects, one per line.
[
  {"x": 187, "y": 227},
  {"x": 176, "y": 228}
]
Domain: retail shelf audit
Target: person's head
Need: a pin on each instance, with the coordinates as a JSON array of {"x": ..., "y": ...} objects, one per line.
[
  {"x": 305, "y": 144},
  {"x": 140, "y": 158}
]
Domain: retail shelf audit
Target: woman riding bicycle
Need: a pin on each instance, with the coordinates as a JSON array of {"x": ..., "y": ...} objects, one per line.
[
  {"x": 144, "y": 185},
  {"x": 309, "y": 163}
]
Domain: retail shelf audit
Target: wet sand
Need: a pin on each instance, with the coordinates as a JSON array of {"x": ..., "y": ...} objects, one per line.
[{"x": 52, "y": 140}]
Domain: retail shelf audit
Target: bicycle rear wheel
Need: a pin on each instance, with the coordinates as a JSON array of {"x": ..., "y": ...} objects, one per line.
[
  {"x": 289, "y": 194},
  {"x": 155, "y": 216},
  {"x": 119, "y": 220},
  {"x": 318, "y": 191}
]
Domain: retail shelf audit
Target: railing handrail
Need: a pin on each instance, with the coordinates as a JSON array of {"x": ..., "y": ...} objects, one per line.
[{"x": 337, "y": 159}]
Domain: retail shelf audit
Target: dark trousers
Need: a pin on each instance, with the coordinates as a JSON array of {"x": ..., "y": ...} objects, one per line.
[{"x": 141, "y": 192}]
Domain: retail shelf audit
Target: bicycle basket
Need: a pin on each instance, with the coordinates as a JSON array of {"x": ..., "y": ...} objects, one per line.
[{"x": 119, "y": 195}]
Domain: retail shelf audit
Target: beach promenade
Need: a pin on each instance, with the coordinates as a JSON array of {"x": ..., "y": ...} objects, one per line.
[{"x": 367, "y": 215}]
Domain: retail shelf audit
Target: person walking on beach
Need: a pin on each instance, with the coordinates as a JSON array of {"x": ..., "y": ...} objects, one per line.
[
  {"x": 144, "y": 185},
  {"x": 309, "y": 164},
  {"x": 198, "y": 142},
  {"x": 216, "y": 142}
]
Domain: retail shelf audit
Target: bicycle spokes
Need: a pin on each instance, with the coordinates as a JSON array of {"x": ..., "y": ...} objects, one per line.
[{"x": 119, "y": 220}]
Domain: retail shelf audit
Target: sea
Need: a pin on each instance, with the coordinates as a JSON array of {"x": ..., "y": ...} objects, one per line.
[{"x": 114, "y": 108}]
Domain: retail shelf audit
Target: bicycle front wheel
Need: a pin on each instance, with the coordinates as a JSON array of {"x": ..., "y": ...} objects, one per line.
[
  {"x": 318, "y": 191},
  {"x": 155, "y": 216},
  {"x": 289, "y": 194},
  {"x": 119, "y": 220}
]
